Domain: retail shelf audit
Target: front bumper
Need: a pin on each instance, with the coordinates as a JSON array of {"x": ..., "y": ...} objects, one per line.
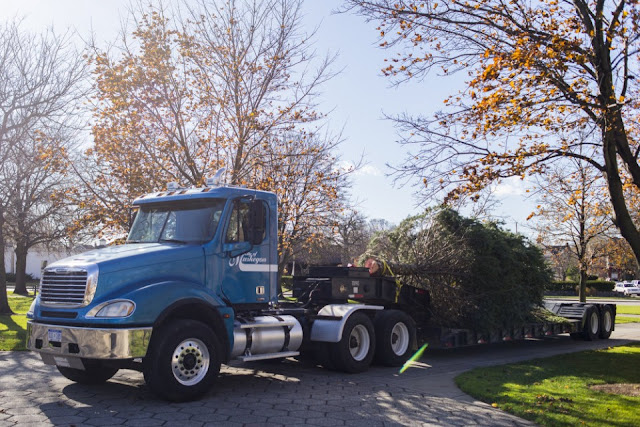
[{"x": 89, "y": 343}]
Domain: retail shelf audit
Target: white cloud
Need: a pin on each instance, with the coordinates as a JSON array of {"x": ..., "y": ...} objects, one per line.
[
  {"x": 510, "y": 187},
  {"x": 369, "y": 170},
  {"x": 366, "y": 170}
]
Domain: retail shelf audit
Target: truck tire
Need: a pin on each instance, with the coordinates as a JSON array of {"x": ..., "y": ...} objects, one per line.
[
  {"x": 323, "y": 354},
  {"x": 606, "y": 322},
  {"x": 95, "y": 372},
  {"x": 591, "y": 329},
  {"x": 183, "y": 361},
  {"x": 395, "y": 335},
  {"x": 355, "y": 350}
]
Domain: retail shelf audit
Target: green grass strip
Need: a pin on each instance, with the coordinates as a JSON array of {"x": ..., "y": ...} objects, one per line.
[
  {"x": 13, "y": 329},
  {"x": 555, "y": 391},
  {"x": 621, "y": 319},
  {"x": 627, "y": 309}
]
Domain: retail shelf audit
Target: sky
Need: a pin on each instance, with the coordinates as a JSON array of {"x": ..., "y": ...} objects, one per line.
[{"x": 357, "y": 98}]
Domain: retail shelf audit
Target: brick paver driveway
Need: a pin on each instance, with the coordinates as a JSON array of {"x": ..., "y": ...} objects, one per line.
[{"x": 285, "y": 393}]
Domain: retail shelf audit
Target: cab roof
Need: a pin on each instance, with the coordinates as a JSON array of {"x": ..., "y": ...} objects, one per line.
[{"x": 201, "y": 193}]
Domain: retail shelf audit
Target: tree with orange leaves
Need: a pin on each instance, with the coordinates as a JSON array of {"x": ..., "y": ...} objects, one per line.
[
  {"x": 233, "y": 85},
  {"x": 573, "y": 212},
  {"x": 538, "y": 71}
]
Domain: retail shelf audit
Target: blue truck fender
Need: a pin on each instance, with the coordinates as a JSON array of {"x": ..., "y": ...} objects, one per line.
[
  {"x": 329, "y": 323},
  {"x": 164, "y": 301}
]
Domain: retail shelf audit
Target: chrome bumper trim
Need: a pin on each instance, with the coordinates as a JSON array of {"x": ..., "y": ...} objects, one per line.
[{"x": 92, "y": 343}]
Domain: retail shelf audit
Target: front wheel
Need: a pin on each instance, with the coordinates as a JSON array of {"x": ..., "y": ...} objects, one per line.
[
  {"x": 355, "y": 350},
  {"x": 184, "y": 361},
  {"x": 95, "y": 372}
]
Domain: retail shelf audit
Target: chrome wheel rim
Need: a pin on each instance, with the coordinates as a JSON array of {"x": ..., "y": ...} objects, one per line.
[
  {"x": 399, "y": 339},
  {"x": 606, "y": 321},
  {"x": 594, "y": 323},
  {"x": 359, "y": 342},
  {"x": 190, "y": 362}
]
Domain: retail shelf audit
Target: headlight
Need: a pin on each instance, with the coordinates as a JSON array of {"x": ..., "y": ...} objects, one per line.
[
  {"x": 32, "y": 308},
  {"x": 92, "y": 284},
  {"x": 118, "y": 308}
]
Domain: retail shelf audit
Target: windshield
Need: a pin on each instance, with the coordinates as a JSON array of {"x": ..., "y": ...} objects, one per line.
[{"x": 179, "y": 222}]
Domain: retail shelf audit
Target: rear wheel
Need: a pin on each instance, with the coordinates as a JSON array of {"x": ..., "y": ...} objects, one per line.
[
  {"x": 592, "y": 324},
  {"x": 95, "y": 372},
  {"x": 355, "y": 350},
  {"x": 184, "y": 361},
  {"x": 395, "y": 335},
  {"x": 323, "y": 354},
  {"x": 606, "y": 322}
]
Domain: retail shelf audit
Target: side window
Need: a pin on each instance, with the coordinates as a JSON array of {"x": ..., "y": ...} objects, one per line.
[{"x": 238, "y": 230}]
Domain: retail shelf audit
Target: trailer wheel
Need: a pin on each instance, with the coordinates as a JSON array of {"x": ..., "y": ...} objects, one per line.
[
  {"x": 395, "y": 335},
  {"x": 184, "y": 361},
  {"x": 591, "y": 324},
  {"x": 355, "y": 350},
  {"x": 606, "y": 322},
  {"x": 95, "y": 372}
]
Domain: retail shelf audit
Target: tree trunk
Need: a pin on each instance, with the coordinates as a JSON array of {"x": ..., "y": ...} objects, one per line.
[
  {"x": 582, "y": 284},
  {"x": 622, "y": 219},
  {"x": 21, "y": 269},
  {"x": 4, "y": 301}
]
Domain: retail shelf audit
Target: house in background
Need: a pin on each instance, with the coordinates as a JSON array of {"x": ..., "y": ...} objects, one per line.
[{"x": 40, "y": 257}]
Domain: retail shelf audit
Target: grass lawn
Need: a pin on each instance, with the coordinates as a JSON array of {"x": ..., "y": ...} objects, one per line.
[
  {"x": 621, "y": 319},
  {"x": 13, "y": 329},
  {"x": 628, "y": 309},
  {"x": 555, "y": 391}
]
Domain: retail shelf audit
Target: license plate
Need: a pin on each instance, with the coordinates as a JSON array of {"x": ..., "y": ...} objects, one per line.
[{"x": 55, "y": 335}]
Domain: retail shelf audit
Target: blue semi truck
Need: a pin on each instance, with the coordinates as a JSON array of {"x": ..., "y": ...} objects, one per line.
[{"x": 196, "y": 286}]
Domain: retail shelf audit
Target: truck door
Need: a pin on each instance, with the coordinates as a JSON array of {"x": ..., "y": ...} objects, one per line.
[{"x": 246, "y": 265}]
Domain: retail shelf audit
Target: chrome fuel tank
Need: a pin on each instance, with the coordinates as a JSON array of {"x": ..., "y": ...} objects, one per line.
[{"x": 266, "y": 335}]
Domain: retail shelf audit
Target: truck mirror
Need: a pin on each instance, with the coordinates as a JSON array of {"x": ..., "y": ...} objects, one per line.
[
  {"x": 236, "y": 249},
  {"x": 257, "y": 221}
]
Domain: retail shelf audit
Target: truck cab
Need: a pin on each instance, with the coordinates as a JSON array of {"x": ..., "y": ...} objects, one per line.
[{"x": 200, "y": 254}]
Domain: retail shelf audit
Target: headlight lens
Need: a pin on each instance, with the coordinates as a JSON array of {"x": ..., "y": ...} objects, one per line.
[
  {"x": 120, "y": 308},
  {"x": 32, "y": 308},
  {"x": 92, "y": 284}
]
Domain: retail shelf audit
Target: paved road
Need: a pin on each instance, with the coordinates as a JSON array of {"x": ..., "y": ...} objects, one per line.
[{"x": 286, "y": 393}]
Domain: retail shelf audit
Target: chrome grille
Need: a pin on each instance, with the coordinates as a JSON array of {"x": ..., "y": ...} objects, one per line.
[{"x": 63, "y": 287}]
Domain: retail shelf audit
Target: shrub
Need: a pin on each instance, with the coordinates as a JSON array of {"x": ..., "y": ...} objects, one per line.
[
  {"x": 478, "y": 275},
  {"x": 570, "y": 285},
  {"x": 11, "y": 277},
  {"x": 601, "y": 285}
]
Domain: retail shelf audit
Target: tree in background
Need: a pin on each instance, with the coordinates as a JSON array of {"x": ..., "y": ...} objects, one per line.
[
  {"x": 344, "y": 239},
  {"x": 538, "y": 72},
  {"x": 573, "y": 210},
  {"x": 477, "y": 274},
  {"x": 301, "y": 170},
  {"x": 561, "y": 259},
  {"x": 233, "y": 85},
  {"x": 619, "y": 259},
  {"x": 40, "y": 213},
  {"x": 40, "y": 84}
]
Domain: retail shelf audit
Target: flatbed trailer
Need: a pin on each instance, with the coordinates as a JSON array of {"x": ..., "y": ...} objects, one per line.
[{"x": 327, "y": 285}]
